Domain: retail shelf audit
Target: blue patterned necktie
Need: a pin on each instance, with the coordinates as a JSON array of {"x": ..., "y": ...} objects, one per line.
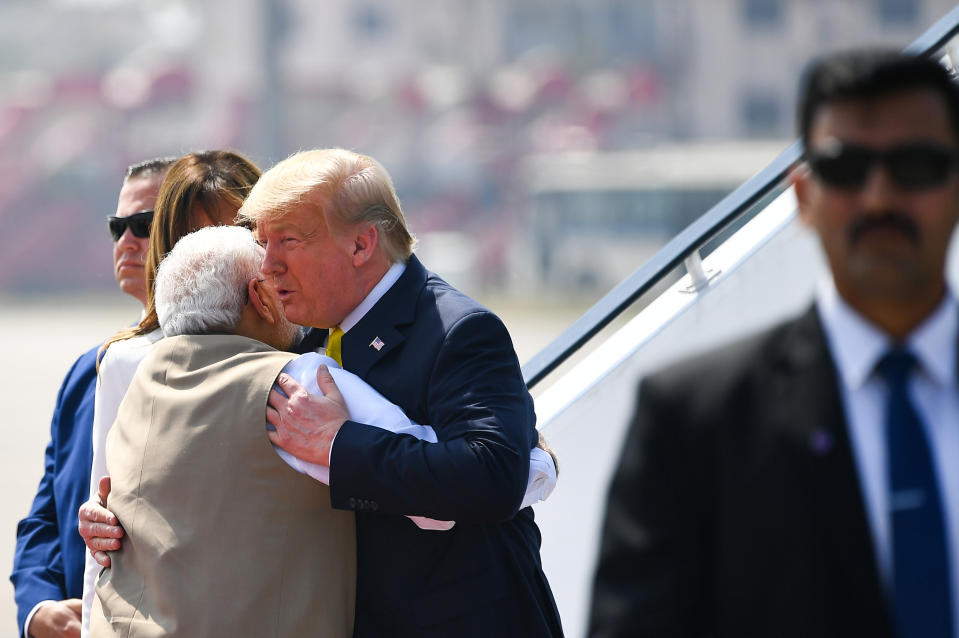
[{"x": 921, "y": 597}]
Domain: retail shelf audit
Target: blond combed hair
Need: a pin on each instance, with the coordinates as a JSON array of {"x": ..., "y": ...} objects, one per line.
[{"x": 344, "y": 186}]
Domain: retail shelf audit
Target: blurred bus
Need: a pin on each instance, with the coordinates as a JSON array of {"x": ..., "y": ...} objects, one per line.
[{"x": 596, "y": 217}]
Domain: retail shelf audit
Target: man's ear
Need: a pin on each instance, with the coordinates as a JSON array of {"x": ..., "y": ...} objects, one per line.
[
  {"x": 365, "y": 240},
  {"x": 260, "y": 304},
  {"x": 800, "y": 178}
]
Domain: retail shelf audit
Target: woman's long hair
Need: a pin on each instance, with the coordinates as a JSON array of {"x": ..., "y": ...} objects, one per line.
[{"x": 216, "y": 182}]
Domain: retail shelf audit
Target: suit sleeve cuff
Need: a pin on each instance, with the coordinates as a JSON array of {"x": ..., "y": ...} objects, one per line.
[
  {"x": 26, "y": 623},
  {"x": 329, "y": 461}
]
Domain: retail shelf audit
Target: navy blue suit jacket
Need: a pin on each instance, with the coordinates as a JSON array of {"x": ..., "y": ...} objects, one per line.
[
  {"x": 448, "y": 362},
  {"x": 48, "y": 563}
]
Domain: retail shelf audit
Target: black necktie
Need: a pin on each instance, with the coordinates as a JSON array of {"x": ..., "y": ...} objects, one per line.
[{"x": 921, "y": 595}]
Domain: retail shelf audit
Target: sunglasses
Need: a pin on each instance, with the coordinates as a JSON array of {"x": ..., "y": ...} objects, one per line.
[
  {"x": 138, "y": 223},
  {"x": 912, "y": 166}
]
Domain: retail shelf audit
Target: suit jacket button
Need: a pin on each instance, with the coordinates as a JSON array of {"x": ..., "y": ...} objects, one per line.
[
  {"x": 374, "y": 505},
  {"x": 352, "y": 503}
]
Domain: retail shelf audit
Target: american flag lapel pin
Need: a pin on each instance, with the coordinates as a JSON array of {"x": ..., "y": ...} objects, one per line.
[{"x": 377, "y": 344}]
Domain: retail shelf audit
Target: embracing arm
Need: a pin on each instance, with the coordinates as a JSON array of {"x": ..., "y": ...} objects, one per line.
[
  {"x": 482, "y": 414},
  {"x": 365, "y": 405}
]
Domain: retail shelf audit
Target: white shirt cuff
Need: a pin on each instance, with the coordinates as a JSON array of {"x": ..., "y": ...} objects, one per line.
[{"x": 26, "y": 623}]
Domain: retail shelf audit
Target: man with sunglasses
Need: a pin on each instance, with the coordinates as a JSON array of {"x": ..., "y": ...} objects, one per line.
[
  {"x": 804, "y": 482},
  {"x": 131, "y": 237},
  {"x": 48, "y": 563}
]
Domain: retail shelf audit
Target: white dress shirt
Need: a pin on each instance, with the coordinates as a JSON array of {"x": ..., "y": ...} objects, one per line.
[
  {"x": 857, "y": 346},
  {"x": 385, "y": 283}
]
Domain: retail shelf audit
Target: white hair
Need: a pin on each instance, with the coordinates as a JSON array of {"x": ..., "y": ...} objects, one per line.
[{"x": 201, "y": 285}]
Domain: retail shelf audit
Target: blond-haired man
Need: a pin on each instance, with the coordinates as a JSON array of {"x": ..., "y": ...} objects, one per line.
[{"x": 340, "y": 254}]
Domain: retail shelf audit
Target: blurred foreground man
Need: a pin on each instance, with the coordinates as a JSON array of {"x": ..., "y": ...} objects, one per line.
[
  {"x": 805, "y": 482},
  {"x": 48, "y": 564}
]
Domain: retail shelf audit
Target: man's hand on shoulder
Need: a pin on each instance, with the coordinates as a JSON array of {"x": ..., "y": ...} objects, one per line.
[
  {"x": 303, "y": 424},
  {"x": 60, "y": 619},
  {"x": 98, "y": 526}
]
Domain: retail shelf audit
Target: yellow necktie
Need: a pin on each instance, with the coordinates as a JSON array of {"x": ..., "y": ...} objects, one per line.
[{"x": 333, "y": 349}]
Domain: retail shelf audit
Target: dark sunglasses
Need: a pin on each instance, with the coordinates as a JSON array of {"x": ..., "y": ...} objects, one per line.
[
  {"x": 138, "y": 223},
  {"x": 912, "y": 166}
]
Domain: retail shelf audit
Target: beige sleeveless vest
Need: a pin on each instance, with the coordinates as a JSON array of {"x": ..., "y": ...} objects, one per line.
[{"x": 223, "y": 539}]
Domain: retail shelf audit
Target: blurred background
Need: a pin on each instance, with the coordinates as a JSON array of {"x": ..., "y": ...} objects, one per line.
[
  {"x": 543, "y": 149},
  {"x": 509, "y": 126}
]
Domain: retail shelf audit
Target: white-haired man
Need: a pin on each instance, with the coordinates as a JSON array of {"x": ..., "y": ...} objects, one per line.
[
  {"x": 193, "y": 423},
  {"x": 195, "y": 485}
]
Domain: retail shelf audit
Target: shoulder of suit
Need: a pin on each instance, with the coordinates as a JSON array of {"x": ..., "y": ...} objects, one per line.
[
  {"x": 81, "y": 377},
  {"x": 451, "y": 304},
  {"x": 444, "y": 292},
  {"x": 85, "y": 362}
]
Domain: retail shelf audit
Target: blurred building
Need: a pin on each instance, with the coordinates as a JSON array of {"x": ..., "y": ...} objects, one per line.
[{"x": 451, "y": 95}]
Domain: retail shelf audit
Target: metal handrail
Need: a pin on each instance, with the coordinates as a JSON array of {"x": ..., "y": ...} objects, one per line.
[{"x": 690, "y": 239}]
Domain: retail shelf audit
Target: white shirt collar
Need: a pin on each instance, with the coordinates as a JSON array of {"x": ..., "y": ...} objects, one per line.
[
  {"x": 857, "y": 344},
  {"x": 935, "y": 336},
  {"x": 384, "y": 284}
]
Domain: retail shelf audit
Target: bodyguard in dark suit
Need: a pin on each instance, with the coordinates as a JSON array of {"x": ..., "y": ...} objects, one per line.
[
  {"x": 803, "y": 482},
  {"x": 339, "y": 251},
  {"x": 48, "y": 562}
]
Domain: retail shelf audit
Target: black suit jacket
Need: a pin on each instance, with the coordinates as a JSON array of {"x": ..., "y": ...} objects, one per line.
[
  {"x": 448, "y": 362},
  {"x": 736, "y": 508}
]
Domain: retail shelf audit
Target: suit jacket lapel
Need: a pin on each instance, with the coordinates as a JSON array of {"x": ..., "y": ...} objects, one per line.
[
  {"x": 810, "y": 403},
  {"x": 378, "y": 333}
]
